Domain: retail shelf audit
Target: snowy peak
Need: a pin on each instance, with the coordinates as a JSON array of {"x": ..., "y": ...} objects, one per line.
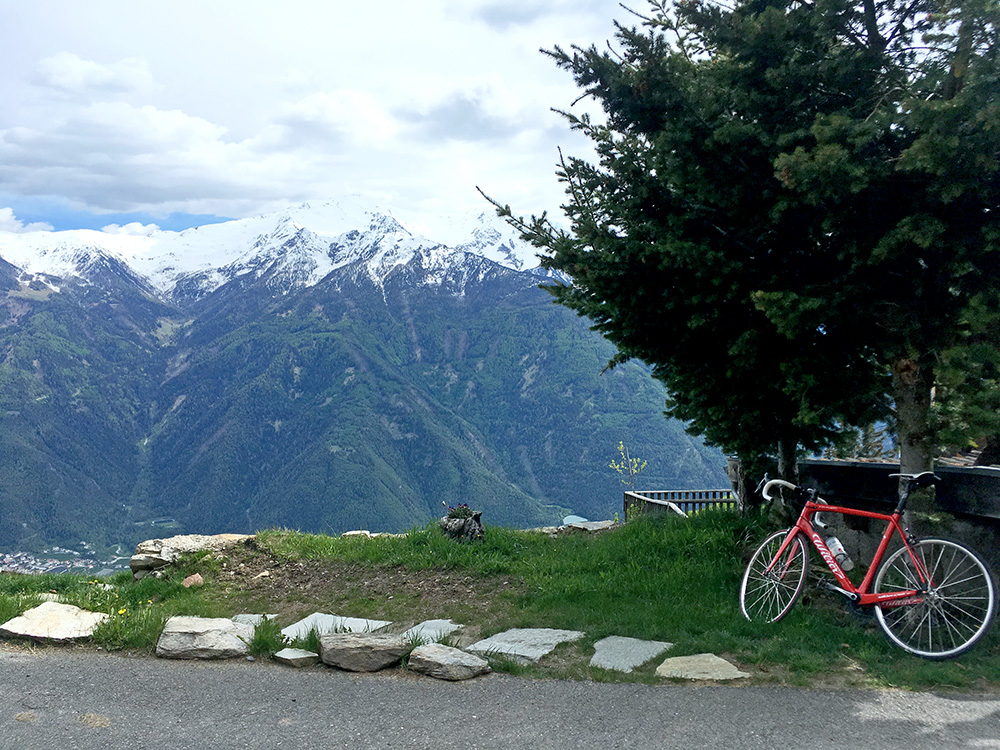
[
  {"x": 295, "y": 247},
  {"x": 493, "y": 238}
]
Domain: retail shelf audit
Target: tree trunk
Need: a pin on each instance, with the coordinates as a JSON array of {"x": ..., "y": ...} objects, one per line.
[
  {"x": 747, "y": 501},
  {"x": 787, "y": 455},
  {"x": 911, "y": 384}
]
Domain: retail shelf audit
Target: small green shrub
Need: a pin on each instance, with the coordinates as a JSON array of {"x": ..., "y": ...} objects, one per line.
[
  {"x": 307, "y": 642},
  {"x": 461, "y": 510},
  {"x": 267, "y": 639}
]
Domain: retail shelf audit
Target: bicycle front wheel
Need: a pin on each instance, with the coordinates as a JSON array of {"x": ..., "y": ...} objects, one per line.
[
  {"x": 957, "y": 609},
  {"x": 769, "y": 591}
]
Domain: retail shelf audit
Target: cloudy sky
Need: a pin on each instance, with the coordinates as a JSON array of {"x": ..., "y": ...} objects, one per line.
[{"x": 174, "y": 112}]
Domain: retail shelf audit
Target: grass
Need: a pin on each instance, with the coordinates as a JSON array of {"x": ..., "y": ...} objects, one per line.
[
  {"x": 308, "y": 642},
  {"x": 661, "y": 578},
  {"x": 267, "y": 638}
]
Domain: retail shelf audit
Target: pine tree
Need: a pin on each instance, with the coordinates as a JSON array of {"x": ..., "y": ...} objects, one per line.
[{"x": 793, "y": 206}]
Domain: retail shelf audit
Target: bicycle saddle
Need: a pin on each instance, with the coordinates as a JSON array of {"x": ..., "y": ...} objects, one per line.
[{"x": 923, "y": 479}]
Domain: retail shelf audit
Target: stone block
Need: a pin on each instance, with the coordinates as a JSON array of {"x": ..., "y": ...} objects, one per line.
[
  {"x": 203, "y": 638},
  {"x": 429, "y": 631},
  {"x": 446, "y": 663},
  {"x": 625, "y": 654},
  {"x": 297, "y": 657},
  {"x": 252, "y": 620},
  {"x": 54, "y": 621},
  {"x": 699, "y": 667},
  {"x": 155, "y": 553},
  {"x": 324, "y": 624},
  {"x": 526, "y": 645},
  {"x": 362, "y": 652}
]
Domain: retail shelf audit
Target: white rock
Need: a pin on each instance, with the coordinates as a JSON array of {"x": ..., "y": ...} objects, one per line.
[
  {"x": 324, "y": 624},
  {"x": 446, "y": 663},
  {"x": 362, "y": 652},
  {"x": 699, "y": 667},
  {"x": 625, "y": 654},
  {"x": 524, "y": 644},
  {"x": 431, "y": 630},
  {"x": 297, "y": 657},
  {"x": 203, "y": 638},
  {"x": 54, "y": 621},
  {"x": 155, "y": 553}
]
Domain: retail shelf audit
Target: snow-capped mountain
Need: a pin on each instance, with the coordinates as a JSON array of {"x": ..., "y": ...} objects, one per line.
[
  {"x": 323, "y": 368},
  {"x": 295, "y": 247}
]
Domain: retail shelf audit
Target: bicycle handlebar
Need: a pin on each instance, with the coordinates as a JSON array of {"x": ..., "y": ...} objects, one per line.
[
  {"x": 776, "y": 483},
  {"x": 910, "y": 482},
  {"x": 766, "y": 492}
]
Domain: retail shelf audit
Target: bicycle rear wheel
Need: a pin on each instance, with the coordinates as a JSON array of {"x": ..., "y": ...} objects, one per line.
[
  {"x": 957, "y": 609},
  {"x": 767, "y": 595}
]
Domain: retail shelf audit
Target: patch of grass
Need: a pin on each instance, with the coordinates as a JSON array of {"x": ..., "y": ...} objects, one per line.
[
  {"x": 503, "y": 663},
  {"x": 130, "y": 629},
  {"x": 13, "y": 605},
  {"x": 498, "y": 553},
  {"x": 267, "y": 639},
  {"x": 307, "y": 642}
]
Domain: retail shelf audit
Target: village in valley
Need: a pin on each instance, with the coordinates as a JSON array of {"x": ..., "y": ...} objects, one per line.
[{"x": 61, "y": 560}]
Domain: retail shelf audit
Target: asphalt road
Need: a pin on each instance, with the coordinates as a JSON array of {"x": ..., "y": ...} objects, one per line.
[{"x": 71, "y": 698}]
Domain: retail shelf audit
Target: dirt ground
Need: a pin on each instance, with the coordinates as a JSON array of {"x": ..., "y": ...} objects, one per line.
[{"x": 253, "y": 579}]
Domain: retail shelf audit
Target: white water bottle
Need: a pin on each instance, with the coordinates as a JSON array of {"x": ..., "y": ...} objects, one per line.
[{"x": 840, "y": 553}]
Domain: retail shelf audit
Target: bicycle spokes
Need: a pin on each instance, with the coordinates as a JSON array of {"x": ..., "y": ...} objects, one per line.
[
  {"x": 772, "y": 585},
  {"x": 955, "y": 606}
]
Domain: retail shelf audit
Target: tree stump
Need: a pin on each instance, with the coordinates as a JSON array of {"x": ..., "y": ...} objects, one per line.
[{"x": 464, "y": 529}]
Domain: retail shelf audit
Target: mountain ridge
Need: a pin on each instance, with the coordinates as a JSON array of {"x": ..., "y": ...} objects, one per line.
[
  {"x": 309, "y": 380},
  {"x": 319, "y": 237}
]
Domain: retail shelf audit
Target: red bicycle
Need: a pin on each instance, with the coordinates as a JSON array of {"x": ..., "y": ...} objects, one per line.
[{"x": 934, "y": 598}]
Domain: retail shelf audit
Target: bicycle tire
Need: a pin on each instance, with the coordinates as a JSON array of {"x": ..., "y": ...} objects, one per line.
[
  {"x": 768, "y": 596},
  {"x": 954, "y": 614}
]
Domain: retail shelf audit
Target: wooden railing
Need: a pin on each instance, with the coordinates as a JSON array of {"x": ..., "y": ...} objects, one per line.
[{"x": 681, "y": 502}]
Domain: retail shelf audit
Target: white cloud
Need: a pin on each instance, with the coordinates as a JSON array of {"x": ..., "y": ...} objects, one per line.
[
  {"x": 10, "y": 223},
  {"x": 132, "y": 228},
  {"x": 336, "y": 118},
  {"x": 209, "y": 112},
  {"x": 69, "y": 73}
]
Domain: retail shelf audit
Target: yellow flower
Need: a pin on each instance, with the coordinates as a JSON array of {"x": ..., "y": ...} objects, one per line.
[{"x": 123, "y": 610}]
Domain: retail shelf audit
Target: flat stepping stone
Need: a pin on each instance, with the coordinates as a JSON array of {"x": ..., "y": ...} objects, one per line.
[
  {"x": 625, "y": 654},
  {"x": 526, "y": 645},
  {"x": 325, "y": 624},
  {"x": 203, "y": 638},
  {"x": 430, "y": 631},
  {"x": 446, "y": 663},
  {"x": 54, "y": 621},
  {"x": 362, "y": 652},
  {"x": 699, "y": 667},
  {"x": 297, "y": 657}
]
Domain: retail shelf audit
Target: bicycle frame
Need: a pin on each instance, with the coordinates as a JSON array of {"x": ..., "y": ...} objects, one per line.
[{"x": 858, "y": 594}]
